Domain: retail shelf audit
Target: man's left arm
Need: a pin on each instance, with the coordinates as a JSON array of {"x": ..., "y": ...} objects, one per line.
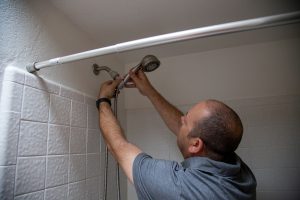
[{"x": 123, "y": 151}]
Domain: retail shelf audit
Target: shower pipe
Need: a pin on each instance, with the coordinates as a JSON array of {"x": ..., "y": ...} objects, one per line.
[{"x": 231, "y": 27}]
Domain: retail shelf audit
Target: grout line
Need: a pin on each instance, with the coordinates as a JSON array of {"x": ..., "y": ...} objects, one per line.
[{"x": 18, "y": 138}]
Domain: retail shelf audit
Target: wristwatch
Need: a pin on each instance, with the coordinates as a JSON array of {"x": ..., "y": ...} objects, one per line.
[{"x": 100, "y": 100}]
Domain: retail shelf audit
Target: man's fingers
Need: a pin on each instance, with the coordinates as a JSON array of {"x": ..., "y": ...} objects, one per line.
[{"x": 130, "y": 85}]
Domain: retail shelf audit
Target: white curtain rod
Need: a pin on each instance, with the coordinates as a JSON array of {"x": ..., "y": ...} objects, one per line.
[{"x": 219, "y": 29}]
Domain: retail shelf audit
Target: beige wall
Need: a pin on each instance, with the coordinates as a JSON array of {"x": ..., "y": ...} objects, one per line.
[{"x": 258, "y": 70}]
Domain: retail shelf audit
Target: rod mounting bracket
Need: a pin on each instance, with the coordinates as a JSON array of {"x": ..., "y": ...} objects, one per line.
[{"x": 31, "y": 68}]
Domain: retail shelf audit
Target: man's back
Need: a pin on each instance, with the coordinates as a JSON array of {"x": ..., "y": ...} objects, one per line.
[{"x": 195, "y": 178}]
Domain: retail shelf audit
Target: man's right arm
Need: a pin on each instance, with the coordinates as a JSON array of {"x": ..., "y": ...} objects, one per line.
[{"x": 169, "y": 113}]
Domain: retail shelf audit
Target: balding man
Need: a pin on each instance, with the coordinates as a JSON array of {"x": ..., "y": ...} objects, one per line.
[{"x": 207, "y": 137}]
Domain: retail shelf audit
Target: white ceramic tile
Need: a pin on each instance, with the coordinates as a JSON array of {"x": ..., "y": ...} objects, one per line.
[
  {"x": 14, "y": 74},
  {"x": 92, "y": 165},
  {"x": 77, "y": 191},
  {"x": 93, "y": 117},
  {"x": 40, "y": 83},
  {"x": 11, "y": 97},
  {"x": 32, "y": 139},
  {"x": 58, "y": 139},
  {"x": 35, "y": 105},
  {"x": 79, "y": 114},
  {"x": 102, "y": 143},
  {"x": 101, "y": 177},
  {"x": 60, "y": 109},
  {"x": 90, "y": 101},
  {"x": 78, "y": 141},
  {"x": 93, "y": 141},
  {"x": 72, "y": 94},
  {"x": 77, "y": 168},
  {"x": 7, "y": 182},
  {"x": 30, "y": 175},
  {"x": 31, "y": 196},
  {"x": 57, "y": 193},
  {"x": 9, "y": 126},
  {"x": 92, "y": 188},
  {"x": 111, "y": 193},
  {"x": 57, "y": 170},
  {"x": 265, "y": 179}
]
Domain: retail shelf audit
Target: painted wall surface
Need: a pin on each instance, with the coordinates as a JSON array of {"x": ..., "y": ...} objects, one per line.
[
  {"x": 260, "y": 81},
  {"x": 35, "y": 31},
  {"x": 257, "y": 70}
]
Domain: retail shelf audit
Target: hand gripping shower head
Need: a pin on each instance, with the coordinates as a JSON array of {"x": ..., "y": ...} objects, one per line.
[{"x": 148, "y": 64}]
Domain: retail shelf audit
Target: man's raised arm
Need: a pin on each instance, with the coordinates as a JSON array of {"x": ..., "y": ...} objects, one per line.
[{"x": 169, "y": 113}]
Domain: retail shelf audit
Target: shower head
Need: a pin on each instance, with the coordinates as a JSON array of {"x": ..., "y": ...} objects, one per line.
[{"x": 148, "y": 64}]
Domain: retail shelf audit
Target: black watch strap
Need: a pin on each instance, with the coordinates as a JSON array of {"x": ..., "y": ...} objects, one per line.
[{"x": 107, "y": 100}]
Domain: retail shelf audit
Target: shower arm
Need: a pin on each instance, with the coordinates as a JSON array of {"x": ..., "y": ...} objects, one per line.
[{"x": 231, "y": 27}]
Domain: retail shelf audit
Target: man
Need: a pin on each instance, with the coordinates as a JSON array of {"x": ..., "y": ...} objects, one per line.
[{"x": 207, "y": 137}]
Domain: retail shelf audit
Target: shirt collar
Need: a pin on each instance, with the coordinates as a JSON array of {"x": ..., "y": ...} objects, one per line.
[{"x": 206, "y": 164}]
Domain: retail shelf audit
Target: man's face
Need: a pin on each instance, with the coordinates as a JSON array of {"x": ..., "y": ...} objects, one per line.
[{"x": 188, "y": 122}]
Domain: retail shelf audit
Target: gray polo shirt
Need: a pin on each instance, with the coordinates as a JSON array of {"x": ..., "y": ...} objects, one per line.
[{"x": 195, "y": 178}]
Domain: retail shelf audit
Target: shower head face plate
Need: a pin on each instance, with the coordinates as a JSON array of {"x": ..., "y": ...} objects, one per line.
[{"x": 149, "y": 63}]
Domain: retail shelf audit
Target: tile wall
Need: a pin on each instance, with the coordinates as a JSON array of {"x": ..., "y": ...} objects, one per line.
[
  {"x": 50, "y": 143},
  {"x": 270, "y": 144}
]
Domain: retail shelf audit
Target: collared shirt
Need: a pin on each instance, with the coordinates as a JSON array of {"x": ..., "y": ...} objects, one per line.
[{"x": 195, "y": 178}]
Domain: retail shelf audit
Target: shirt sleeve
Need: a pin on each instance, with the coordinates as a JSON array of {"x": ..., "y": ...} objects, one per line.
[{"x": 156, "y": 179}]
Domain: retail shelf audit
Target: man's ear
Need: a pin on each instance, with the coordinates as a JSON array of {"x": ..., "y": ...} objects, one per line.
[{"x": 196, "y": 145}]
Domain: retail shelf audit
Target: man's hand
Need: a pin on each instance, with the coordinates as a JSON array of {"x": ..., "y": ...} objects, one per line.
[
  {"x": 108, "y": 88},
  {"x": 141, "y": 82}
]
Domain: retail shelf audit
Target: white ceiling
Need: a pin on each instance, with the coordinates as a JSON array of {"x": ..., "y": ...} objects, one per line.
[{"x": 110, "y": 22}]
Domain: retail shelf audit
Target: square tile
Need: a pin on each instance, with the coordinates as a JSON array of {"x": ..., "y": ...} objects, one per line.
[
  {"x": 32, "y": 139},
  {"x": 93, "y": 117},
  {"x": 90, "y": 100},
  {"x": 9, "y": 126},
  {"x": 57, "y": 193},
  {"x": 92, "y": 165},
  {"x": 31, "y": 196},
  {"x": 7, "y": 182},
  {"x": 92, "y": 188},
  {"x": 79, "y": 114},
  {"x": 14, "y": 74},
  {"x": 77, "y": 191},
  {"x": 77, "y": 167},
  {"x": 58, "y": 139},
  {"x": 78, "y": 141},
  {"x": 11, "y": 97},
  {"x": 35, "y": 105},
  {"x": 60, "y": 109},
  {"x": 72, "y": 94},
  {"x": 40, "y": 83},
  {"x": 57, "y": 170},
  {"x": 93, "y": 141},
  {"x": 30, "y": 175}
]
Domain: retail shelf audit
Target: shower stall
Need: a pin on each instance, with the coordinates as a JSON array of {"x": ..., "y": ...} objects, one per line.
[{"x": 50, "y": 143}]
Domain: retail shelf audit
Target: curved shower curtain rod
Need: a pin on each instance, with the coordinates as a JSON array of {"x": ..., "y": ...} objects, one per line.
[{"x": 219, "y": 29}]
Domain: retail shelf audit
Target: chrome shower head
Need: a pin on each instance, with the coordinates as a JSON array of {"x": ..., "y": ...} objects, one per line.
[{"x": 148, "y": 64}]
